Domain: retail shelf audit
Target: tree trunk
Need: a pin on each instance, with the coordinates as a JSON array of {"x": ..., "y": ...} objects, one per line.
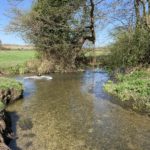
[
  {"x": 148, "y": 7},
  {"x": 137, "y": 12},
  {"x": 148, "y": 17},
  {"x": 93, "y": 30},
  {"x": 144, "y": 16},
  {"x": 92, "y": 21}
]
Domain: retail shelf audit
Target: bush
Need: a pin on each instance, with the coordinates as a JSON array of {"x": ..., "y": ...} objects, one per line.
[
  {"x": 130, "y": 49},
  {"x": 46, "y": 67},
  {"x": 18, "y": 69}
]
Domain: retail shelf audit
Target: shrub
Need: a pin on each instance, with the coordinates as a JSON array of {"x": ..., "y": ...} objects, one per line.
[{"x": 130, "y": 49}]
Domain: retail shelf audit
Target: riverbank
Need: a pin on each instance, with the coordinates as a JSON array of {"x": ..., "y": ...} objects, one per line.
[
  {"x": 132, "y": 89},
  {"x": 14, "y": 61},
  {"x": 10, "y": 91}
]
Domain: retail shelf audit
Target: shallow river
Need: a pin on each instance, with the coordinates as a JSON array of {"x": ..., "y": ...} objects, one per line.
[{"x": 72, "y": 112}]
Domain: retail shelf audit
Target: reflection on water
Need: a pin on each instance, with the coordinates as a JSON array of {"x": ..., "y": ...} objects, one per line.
[{"x": 72, "y": 112}]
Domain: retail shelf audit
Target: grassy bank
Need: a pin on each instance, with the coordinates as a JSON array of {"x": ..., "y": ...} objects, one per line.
[
  {"x": 14, "y": 61},
  {"x": 10, "y": 90},
  {"x": 132, "y": 89},
  {"x": 24, "y": 61},
  {"x": 6, "y": 83}
]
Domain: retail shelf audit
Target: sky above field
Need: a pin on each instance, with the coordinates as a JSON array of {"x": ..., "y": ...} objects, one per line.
[{"x": 102, "y": 36}]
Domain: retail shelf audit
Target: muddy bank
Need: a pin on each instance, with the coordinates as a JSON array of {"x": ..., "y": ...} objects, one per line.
[
  {"x": 10, "y": 95},
  {"x": 10, "y": 91},
  {"x": 6, "y": 133}
]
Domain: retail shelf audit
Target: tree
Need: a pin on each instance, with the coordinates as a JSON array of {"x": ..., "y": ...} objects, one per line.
[
  {"x": 77, "y": 22},
  {"x": 142, "y": 11},
  {"x": 58, "y": 28},
  {"x": 131, "y": 45}
]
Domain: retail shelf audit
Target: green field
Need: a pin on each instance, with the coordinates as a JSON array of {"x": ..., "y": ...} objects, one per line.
[
  {"x": 97, "y": 53},
  {"x": 12, "y": 58},
  {"x": 17, "y": 57},
  {"x": 14, "y": 61}
]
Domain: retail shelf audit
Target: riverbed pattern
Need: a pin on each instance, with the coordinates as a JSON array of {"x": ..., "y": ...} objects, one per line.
[{"x": 72, "y": 112}]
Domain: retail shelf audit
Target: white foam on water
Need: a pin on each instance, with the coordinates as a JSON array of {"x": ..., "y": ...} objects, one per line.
[{"x": 39, "y": 77}]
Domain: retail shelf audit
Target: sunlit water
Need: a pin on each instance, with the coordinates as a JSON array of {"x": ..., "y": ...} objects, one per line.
[{"x": 72, "y": 112}]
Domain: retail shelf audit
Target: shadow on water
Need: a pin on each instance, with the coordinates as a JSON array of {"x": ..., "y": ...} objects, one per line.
[
  {"x": 14, "y": 119},
  {"x": 24, "y": 124}
]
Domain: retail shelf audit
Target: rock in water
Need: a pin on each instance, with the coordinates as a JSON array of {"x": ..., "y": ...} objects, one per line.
[{"x": 25, "y": 124}]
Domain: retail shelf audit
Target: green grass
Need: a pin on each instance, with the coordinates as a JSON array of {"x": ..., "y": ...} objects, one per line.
[
  {"x": 7, "y": 83},
  {"x": 12, "y": 58},
  {"x": 97, "y": 53},
  {"x": 133, "y": 88}
]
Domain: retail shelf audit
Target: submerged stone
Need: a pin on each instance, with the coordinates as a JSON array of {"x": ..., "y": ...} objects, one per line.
[{"x": 25, "y": 124}]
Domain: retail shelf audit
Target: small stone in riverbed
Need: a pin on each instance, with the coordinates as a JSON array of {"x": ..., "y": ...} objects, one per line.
[
  {"x": 25, "y": 124},
  {"x": 90, "y": 130},
  {"x": 99, "y": 122},
  {"x": 29, "y": 144},
  {"x": 31, "y": 135}
]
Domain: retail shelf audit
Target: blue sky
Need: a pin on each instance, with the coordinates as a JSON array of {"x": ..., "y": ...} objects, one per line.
[
  {"x": 102, "y": 36},
  {"x": 4, "y": 20}
]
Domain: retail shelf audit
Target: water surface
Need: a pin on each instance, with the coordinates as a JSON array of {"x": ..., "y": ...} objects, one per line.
[{"x": 72, "y": 112}]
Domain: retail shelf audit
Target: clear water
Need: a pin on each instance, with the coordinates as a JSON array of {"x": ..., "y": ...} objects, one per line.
[{"x": 72, "y": 112}]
